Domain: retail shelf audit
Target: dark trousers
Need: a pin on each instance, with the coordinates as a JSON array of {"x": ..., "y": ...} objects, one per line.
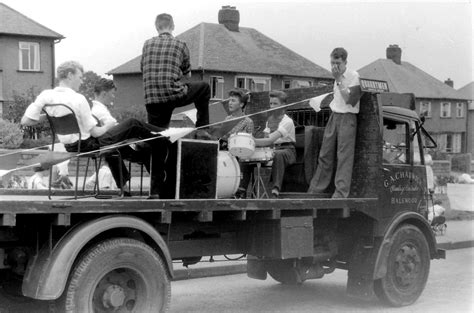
[
  {"x": 128, "y": 129},
  {"x": 282, "y": 158},
  {"x": 159, "y": 114},
  {"x": 337, "y": 147}
]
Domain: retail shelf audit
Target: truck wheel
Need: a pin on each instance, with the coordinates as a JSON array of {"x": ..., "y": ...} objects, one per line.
[
  {"x": 408, "y": 266},
  {"x": 118, "y": 275},
  {"x": 284, "y": 271}
]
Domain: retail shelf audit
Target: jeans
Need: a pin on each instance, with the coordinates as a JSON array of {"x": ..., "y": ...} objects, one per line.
[
  {"x": 199, "y": 93},
  {"x": 128, "y": 129}
]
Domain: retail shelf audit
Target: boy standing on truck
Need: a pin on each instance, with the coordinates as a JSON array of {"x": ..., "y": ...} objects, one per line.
[
  {"x": 340, "y": 133},
  {"x": 165, "y": 62},
  {"x": 92, "y": 137}
]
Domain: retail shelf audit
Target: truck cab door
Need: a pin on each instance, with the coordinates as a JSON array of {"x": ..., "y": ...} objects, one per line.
[{"x": 403, "y": 170}]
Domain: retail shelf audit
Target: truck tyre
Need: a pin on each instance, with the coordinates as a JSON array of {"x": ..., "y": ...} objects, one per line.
[
  {"x": 118, "y": 275},
  {"x": 284, "y": 271},
  {"x": 408, "y": 266}
]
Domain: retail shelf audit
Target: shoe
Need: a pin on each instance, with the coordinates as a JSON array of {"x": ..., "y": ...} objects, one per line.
[
  {"x": 153, "y": 196},
  {"x": 241, "y": 194},
  {"x": 127, "y": 194},
  {"x": 202, "y": 135},
  {"x": 275, "y": 193}
]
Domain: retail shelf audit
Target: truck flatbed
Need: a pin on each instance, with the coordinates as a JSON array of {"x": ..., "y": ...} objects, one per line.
[{"x": 12, "y": 205}]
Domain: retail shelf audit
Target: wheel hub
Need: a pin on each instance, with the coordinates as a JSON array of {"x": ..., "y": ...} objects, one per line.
[
  {"x": 407, "y": 264},
  {"x": 114, "y": 297}
]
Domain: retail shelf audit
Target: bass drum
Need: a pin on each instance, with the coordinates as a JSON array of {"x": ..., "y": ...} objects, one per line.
[{"x": 228, "y": 175}]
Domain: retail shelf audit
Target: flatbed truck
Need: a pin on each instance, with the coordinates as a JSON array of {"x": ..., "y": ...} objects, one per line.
[{"x": 116, "y": 255}]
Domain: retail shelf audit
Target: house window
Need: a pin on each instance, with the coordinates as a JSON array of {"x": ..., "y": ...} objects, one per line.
[
  {"x": 29, "y": 55},
  {"x": 217, "y": 87},
  {"x": 253, "y": 83},
  {"x": 445, "y": 109},
  {"x": 459, "y": 110},
  {"x": 296, "y": 83},
  {"x": 302, "y": 83},
  {"x": 425, "y": 107},
  {"x": 450, "y": 143}
]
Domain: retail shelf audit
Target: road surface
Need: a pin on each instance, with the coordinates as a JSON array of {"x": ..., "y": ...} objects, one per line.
[{"x": 449, "y": 290}]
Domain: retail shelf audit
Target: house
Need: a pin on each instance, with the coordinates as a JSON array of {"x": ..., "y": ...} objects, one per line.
[
  {"x": 445, "y": 108},
  {"x": 227, "y": 56},
  {"x": 26, "y": 55},
  {"x": 468, "y": 93}
]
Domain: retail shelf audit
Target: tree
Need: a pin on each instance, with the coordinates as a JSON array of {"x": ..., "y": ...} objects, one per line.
[{"x": 89, "y": 79}]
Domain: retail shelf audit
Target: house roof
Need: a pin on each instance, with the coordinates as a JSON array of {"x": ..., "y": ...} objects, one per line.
[
  {"x": 214, "y": 47},
  {"x": 407, "y": 78},
  {"x": 14, "y": 23},
  {"x": 467, "y": 91}
]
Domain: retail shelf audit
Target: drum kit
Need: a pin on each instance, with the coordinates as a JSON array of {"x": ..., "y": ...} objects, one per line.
[{"x": 242, "y": 146}]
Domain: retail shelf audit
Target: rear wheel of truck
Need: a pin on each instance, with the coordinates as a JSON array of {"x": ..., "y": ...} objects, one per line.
[
  {"x": 284, "y": 271},
  {"x": 118, "y": 275},
  {"x": 408, "y": 266}
]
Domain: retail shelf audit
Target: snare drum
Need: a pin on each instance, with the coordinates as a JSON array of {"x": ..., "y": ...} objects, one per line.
[
  {"x": 264, "y": 154},
  {"x": 241, "y": 145}
]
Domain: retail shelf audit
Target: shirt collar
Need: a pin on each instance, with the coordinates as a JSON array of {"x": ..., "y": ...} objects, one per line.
[{"x": 167, "y": 34}]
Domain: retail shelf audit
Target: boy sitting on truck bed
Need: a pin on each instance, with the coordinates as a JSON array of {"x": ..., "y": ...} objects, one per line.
[
  {"x": 279, "y": 133},
  {"x": 92, "y": 137}
]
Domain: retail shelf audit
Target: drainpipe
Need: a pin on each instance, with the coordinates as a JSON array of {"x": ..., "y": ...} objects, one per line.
[{"x": 53, "y": 63}]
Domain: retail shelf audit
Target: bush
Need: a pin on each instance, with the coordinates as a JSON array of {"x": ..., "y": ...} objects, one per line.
[
  {"x": 11, "y": 135},
  {"x": 122, "y": 114},
  {"x": 461, "y": 163}
]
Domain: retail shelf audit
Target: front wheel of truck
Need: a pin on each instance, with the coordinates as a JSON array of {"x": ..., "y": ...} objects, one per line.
[
  {"x": 408, "y": 266},
  {"x": 118, "y": 275}
]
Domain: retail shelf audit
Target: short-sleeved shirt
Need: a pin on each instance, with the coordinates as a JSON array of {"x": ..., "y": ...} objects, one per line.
[
  {"x": 164, "y": 61},
  {"x": 102, "y": 113},
  {"x": 286, "y": 128},
  {"x": 72, "y": 99},
  {"x": 350, "y": 78}
]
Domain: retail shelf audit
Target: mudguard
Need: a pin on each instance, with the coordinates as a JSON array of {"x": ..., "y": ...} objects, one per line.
[
  {"x": 367, "y": 265},
  {"x": 403, "y": 218},
  {"x": 47, "y": 272}
]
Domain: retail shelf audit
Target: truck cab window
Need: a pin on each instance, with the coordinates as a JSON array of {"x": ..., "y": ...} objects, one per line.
[{"x": 395, "y": 141}]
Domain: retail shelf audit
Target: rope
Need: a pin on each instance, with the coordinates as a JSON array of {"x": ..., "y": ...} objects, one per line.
[
  {"x": 24, "y": 150},
  {"x": 124, "y": 144}
]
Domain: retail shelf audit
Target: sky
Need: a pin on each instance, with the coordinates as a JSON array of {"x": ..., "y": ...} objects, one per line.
[{"x": 435, "y": 36}]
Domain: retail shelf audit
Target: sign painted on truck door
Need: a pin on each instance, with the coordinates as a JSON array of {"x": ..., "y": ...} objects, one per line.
[{"x": 404, "y": 187}]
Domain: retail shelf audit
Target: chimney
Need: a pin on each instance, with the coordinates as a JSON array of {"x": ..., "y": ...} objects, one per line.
[
  {"x": 229, "y": 17},
  {"x": 394, "y": 53},
  {"x": 449, "y": 82}
]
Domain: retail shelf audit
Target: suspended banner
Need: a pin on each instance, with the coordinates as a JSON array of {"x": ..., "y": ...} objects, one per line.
[{"x": 315, "y": 102}]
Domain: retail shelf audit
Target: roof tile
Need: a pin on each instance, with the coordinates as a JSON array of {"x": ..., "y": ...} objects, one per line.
[
  {"x": 14, "y": 23},
  {"x": 407, "y": 78},
  {"x": 214, "y": 47}
]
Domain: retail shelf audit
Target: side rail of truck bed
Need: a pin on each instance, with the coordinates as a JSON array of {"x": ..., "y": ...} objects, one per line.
[{"x": 12, "y": 206}]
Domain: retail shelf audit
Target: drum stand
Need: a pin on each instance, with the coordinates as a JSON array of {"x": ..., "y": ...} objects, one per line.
[{"x": 258, "y": 183}]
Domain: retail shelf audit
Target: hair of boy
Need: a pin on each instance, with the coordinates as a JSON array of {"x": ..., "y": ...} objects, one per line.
[
  {"x": 68, "y": 67},
  {"x": 280, "y": 95},
  {"x": 339, "y": 53},
  {"x": 164, "y": 21},
  {"x": 103, "y": 84},
  {"x": 241, "y": 95}
]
